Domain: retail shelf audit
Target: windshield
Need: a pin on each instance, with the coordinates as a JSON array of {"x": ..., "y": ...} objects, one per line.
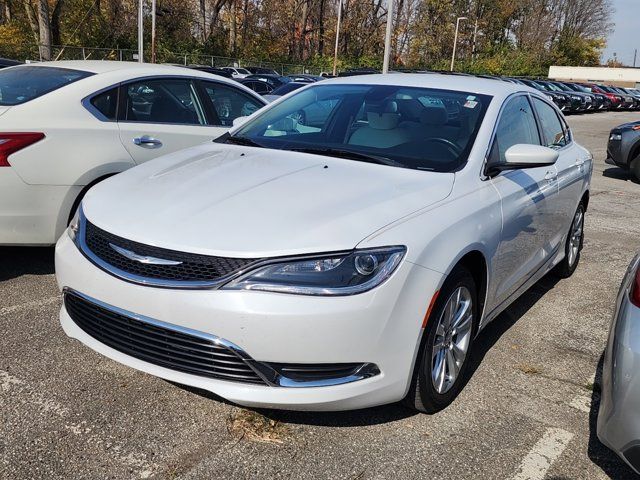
[
  {"x": 21, "y": 84},
  {"x": 420, "y": 128}
]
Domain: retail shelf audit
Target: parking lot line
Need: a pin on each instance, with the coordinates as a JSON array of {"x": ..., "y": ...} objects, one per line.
[
  {"x": 30, "y": 304},
  {"x": 540, "y": 458},
  {"x": 91, "y": 435}
]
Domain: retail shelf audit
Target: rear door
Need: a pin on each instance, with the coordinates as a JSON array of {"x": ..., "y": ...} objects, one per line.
[
  {"x": 528, "y": 199},
  {"x": 162, "y": 115}
]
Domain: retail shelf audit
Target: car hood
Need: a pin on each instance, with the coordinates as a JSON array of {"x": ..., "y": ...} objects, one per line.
[
  {"x": 252, "y": 202},
  {"x": 625, "y": 126},
  {"x": 4, "y": 109}
]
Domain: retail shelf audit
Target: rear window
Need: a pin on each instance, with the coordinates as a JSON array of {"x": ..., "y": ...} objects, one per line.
[{"x": 21, "y": 84}]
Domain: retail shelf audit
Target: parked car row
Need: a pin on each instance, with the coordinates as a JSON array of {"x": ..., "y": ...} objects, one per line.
[{"x": 573, "y": 97}]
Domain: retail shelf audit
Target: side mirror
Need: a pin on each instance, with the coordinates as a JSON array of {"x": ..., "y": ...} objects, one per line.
[
  {"x": 524, "y": 156},
  {"x": 239, "y": 121}
]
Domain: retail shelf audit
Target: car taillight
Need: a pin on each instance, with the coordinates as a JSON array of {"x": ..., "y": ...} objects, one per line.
[
  {"x": 12, "y": 142},
  {"x": 635, "y": 289}
]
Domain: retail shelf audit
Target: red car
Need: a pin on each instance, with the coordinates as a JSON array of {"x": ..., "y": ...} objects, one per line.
[{"x": 616, "y": 100}]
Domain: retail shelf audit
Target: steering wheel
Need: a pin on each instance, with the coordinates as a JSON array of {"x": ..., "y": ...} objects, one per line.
[{"x": 448, "y": 143}]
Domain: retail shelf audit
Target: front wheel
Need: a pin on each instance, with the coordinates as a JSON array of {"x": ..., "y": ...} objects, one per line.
[
  {"x": 573, "y": 245},
  {"x": 443, "y": 358}
]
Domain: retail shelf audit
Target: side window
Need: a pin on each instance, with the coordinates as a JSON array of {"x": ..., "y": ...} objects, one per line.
[
  {"x": 552, "y": 129},
  {"x": 107, "y": 103},
  {"x": 229, "y": 103},
  {"x": 168, "y": 100},
  {"x": 517, "y": 125}
]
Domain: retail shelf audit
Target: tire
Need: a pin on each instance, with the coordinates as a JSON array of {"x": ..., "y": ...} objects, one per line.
[
  {"x": 432, "y": 389},
  {"x": 635, "y": 168},
  {"x": 573, "y": 245}
]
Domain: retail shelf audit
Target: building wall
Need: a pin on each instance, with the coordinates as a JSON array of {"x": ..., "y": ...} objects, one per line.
[{"x": 622, "y": 77}]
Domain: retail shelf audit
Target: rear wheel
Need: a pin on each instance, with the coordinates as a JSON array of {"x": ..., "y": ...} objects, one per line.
[
  {"x": 635, "y": 168},
  {"x": 441, "y": 367},
  {"x": 573, "y": 245}
]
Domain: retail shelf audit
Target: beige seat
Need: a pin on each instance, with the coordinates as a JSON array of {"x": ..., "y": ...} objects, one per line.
[{"x": 382, "y": 130}]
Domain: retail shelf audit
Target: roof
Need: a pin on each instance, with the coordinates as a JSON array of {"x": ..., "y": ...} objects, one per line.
[
  {"x": 104, "y": 66},
  {"x": 465, "y": 83}
]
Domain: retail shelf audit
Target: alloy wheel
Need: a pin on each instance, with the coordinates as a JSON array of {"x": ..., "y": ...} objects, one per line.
[
  {"x": 575, "y": 239},
  {"x": 451, "y": 340}
]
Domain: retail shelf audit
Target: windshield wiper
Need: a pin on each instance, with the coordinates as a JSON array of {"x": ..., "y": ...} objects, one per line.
[
  {"x": 349, "y": 154},
  {"x": 247, "y": 142}
]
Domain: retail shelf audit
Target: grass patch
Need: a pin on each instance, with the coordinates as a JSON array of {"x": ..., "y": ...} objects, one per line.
[
  {"x": 592, "y": 387},
  {"x": 250, "y": 425}
]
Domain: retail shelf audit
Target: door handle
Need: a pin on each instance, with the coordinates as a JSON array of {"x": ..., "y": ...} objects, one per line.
[
  {"x": 146, "y": 141},
  {"x": 551, "y": 176}
]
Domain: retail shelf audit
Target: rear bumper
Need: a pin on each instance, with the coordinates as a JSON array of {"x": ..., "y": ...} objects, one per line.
[{"x": 32, "y": 214}]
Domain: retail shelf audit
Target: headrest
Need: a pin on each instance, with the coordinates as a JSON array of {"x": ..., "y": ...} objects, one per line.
[
  {"x": 433, "y": 115},
  {"x": 383, "y": 121},
  {"x": 390, "y": 107}
]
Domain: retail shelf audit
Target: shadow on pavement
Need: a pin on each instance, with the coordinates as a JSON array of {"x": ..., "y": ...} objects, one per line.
[
  {"x": 18, "y": 261},
  {"x": 619, "y": 174},
  {"x": 607, "y": 460}
]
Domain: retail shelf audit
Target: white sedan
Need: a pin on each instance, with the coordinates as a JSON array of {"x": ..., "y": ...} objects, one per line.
[
  {"x": 338, "y": 263},
  {"x": 64, "y": 126}
]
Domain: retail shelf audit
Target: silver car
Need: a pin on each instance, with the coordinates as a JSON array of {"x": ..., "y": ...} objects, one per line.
[{"x": 619, "y": 416}]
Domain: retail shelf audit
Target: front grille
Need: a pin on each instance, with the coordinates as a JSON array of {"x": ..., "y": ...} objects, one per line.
[
  {"x": 193, "y": 267},
  {"x": 158, "y": 345}
]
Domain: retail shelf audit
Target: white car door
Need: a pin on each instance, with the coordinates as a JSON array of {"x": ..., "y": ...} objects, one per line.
[
  {"x": 528, "y": 197},
  {"x": 162, "y": 115},
  {"x": 571, "y": 164}
]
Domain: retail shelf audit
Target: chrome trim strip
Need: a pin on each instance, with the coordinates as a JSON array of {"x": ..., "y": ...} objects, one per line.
[
  {"x": 146, "y": 259},
  {"x": 270, "y": 376}
]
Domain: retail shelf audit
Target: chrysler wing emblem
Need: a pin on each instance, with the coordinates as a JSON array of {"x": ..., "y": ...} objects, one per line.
[{"x": 142, "y": 258}]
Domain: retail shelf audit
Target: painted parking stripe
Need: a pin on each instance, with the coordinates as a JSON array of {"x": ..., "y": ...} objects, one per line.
[
  {"x": 581, "y": 401},
  {"x": 538, "y": 461}
]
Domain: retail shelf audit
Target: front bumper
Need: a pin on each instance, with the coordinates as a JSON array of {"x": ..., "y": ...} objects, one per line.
[
  {"x": 619, "y": 413},
  {"x": 381, "y": 327}
]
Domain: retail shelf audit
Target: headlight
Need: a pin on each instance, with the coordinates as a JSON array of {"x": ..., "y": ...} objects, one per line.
[
  {"x": 615, "y": 136},
  {"x": 576, "y": 97},
  {"x": 333, "y": 274},
  {"x": 74, "y": 224}
]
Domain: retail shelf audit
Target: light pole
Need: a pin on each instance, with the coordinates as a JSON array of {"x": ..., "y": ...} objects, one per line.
[
  {"x": 387, "y": 37},
  {"x": 455, "y": 41},
  {"x": 140, "y": 33},
  {"x": 153, "y": 31},
  {"x": 335, "y": 51}
]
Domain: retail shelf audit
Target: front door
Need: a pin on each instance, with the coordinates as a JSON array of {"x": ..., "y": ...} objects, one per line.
[{"x": 528, "y": 198}]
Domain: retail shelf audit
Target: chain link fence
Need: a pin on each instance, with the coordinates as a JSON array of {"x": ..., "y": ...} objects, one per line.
[{"x": 68, "y": 52}]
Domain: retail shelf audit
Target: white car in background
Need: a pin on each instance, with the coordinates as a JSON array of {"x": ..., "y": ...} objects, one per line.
[
  {"x": 237, "y": 72},
  {"x": 342, "y": 263},
  {"x": 64, "y": 126}
]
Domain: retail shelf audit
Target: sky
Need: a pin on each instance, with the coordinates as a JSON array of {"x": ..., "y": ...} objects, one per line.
[{"x": 624, "y": 38}]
